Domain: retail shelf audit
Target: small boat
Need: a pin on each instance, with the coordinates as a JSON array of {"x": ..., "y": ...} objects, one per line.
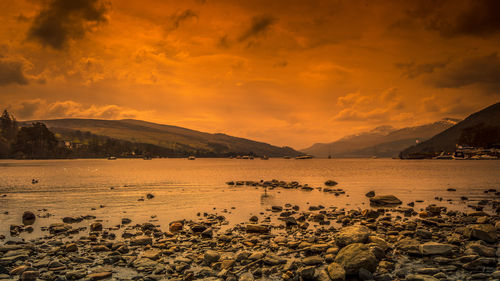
[
  {"x": 191, "y": 157},
  {"x": 264, "y": 157},
  {"x": 303, "y": 157},
  {"x": 444, "y": 156},
  {"x": 111, "y": 158},
  {"x": 34, "y": 181}
]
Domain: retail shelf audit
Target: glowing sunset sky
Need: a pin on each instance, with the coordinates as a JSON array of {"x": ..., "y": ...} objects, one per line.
[{"x": 284, "y": 72}]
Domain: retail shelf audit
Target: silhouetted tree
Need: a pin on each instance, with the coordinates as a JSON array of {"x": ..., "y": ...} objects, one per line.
[
  {"x": 35, "y": 141},
  {"x": 480, "y": 136}
]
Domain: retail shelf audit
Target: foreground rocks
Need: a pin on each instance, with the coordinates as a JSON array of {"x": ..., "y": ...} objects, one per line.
[{"x": 284, "y": 243}]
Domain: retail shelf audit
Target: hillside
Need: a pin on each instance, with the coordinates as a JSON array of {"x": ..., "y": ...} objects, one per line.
[
  {"x": 169, "y": 137},
  {"x": 384, "y": 141},
  {"x": 486, "y": 119}
]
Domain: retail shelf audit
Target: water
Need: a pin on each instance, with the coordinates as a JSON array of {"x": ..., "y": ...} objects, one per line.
[{"x": 183, "y": 188}]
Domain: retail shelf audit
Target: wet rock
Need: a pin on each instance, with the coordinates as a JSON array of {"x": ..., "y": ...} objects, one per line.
[
  {"x": 433, "y": 248},
  {"x": 247, "y": 276},
  {"x": 176, "y": 226},
  {"x": 29, "y": 275},
  {"x": 385, "y": 200},
  {"x": 255, "y": 228},
  {"x": 352, "y": 234},
  {"x": 276, "y": 208},
  {"x": 307, "y": 273},
  {"x": 198, "y": 228},
  {"x": 364, "y": 274},
  {"x": 254, "y": 219},
  {"x": 71, "y": 247},
  {"x": 71, "y": 220},
  {"x": 330, "y": 183},
  {"x": 313, "y": 260},
  {"x": 485, "y": 232},
  {"x": 28, "y": 218},
  {"x": 96, "y": 227},
  {"x": 141, "y": 241},
  {"x": 126, "y": 220},
  {"x": 211, "y": 256},
  {"x": 150, "y": 196},
  {"x": 355, "y": 256},
  {"x": 207, "y": 233},
  {"x": 370, "y": 194},
  {"x": 420, "y": 277},
  {"x": 336, "y": 272},
  {"x": 99, "y": 275}
]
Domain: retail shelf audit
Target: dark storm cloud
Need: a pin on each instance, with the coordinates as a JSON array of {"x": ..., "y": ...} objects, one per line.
[
  {"x": 412, "y": 70},
  {"x": 482, "y": 71},
  {"x": 11, "y": 72},
  {"x": 259, "y": 25},
  {"x": 455, "y": 18},
  {"x": 63, "y": 20},
  {"x": 177, "y": 19}
]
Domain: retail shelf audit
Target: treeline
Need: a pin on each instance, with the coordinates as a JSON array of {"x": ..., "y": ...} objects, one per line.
[
  {"x": 36, "y": 141},
  {"x": 480, "y": 135}
]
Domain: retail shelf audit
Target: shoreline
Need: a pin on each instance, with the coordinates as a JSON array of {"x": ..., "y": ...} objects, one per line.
[{"x": 282, "y": 243}]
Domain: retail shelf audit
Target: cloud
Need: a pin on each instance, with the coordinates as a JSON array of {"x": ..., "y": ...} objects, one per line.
[
  {"x": 12, "y": 72},
  {"x": 259, "y": 25},
  {"x": 459, "y": 18},
  {"x": 61, "y": 21},
  {"x": 41, "y": 109},
  {"x": 413, "y": 70},
  {"x": 386, "y": 106},
  {"x": 482, "y": 71},
  {"x": 281, "y": 64},
  {"x": 178, "y": 18},
  {"x": 454, "y": 106}
]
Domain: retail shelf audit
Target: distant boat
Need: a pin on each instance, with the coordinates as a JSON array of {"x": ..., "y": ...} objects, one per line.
[
  {"x": 286, "y": 157},
  {"x": 112, "y": 158},
  {"x": 303, "y": 157},
  {"x": 444, "y": 156},
  {"x": 264, "y": 157},
  {"x": 147, "y": 158},
  {"x": 191, "y": 158}
]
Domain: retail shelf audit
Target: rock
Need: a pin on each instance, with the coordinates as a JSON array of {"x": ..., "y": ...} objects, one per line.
[
  {"x": 255, "y": 228},
  {"x": 18, "y": 270},
  {"x": 211, "y": 256},
  {"x": 370, "y": 194},
  {"x": 336, "y": 272},
  {"x": 208, "y": 233},
  {"x": 355, "y": 256},
  {"x": 150, "y": 196},
  {"x": 276, "y": 208},
  {"x": 254, "y": 219},
  {"x": 364, "y": 274},
  {"x": 420, "y": 277},
  {"x": 28, "y": 218},
  {"x": 144, "y": 263},
  {"x": 198, "y": 228},
  {"x": 385, "y": 200},
  {"x": 99, "y": 275},
  {"x": 307, "y": 273},
  {"x": 433, "y": 248},
  {"x": 485, "y": 232},
  {"x": 95, "y": 227},
  {"x": 71, "y": 247},
  {"x": 176, "y": 226},
  {"x": 29, "y": 275},
  {"x": 330, "y": 183},
  {"x": 71, "y": 220},
  {"x": 141, "y": 241},
  {"x": 313, "y": 260},
  {"x": 352, "y": 234},
  {"x": 126, "y": 221},
  {"x": 247, "y": 276}
]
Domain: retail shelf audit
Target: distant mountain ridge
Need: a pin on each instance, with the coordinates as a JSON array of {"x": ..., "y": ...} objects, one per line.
[
  {"x": 447, "y": 140},
  {"x": 383, "y": 141},
  {"x": 167, "y": 136}
]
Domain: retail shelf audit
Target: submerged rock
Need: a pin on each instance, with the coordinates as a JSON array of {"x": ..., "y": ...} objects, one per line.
[{"x": 28, "y": 218}]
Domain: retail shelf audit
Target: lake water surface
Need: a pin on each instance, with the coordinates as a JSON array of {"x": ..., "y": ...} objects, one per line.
[{"x": 183, "y": 188}]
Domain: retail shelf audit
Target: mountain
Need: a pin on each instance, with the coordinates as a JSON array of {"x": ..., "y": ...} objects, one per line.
[
  {"x": 479, "y": 129},
  {"x": 384, "y": 141},
  {"x": 171, "y": 137}
]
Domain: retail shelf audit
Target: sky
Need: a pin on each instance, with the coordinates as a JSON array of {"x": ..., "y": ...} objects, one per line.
[{"x": 284, "y": 72}]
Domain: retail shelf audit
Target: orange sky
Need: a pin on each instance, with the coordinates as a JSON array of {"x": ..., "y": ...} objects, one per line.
[{"x": 284, "y": 72}]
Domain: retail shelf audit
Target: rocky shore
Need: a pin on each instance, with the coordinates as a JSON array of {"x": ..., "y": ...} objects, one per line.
[{"x": 386, "y": 241}]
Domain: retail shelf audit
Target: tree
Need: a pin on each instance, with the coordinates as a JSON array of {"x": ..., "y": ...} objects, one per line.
[
  {"x": 479, "y": 136},
  {"x": 35, "y": 141}
]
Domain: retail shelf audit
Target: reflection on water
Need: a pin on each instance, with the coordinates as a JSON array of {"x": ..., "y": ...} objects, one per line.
[{"x": 183, "y": 188}]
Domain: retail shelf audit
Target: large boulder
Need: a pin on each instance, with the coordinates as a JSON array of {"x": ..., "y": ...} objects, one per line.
[
  {"x": 433, "y": 248},
  {"x": 355, "y": 256},
  {"x": 384, "y": 201},
  {"x": 255, "y": 228},
  {"x": 352, "y": 234},
  {"x": 485, "y": 232}
]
